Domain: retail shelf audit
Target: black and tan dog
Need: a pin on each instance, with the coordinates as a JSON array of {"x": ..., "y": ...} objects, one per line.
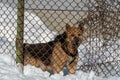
[{"x": 55, "y": 55}]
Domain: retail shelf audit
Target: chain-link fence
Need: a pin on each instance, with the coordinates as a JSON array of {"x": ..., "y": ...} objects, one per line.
[{"x": 44, "y": 19}]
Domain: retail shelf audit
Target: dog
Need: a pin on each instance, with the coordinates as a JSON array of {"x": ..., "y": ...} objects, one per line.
[{"x": 55, "y": 55}]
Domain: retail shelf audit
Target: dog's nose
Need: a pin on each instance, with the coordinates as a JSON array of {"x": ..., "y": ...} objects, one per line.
[{"x": 76, "y": 40}]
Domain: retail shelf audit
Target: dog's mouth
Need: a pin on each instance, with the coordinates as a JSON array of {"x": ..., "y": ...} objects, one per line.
[{"x": 76, "y": 42}]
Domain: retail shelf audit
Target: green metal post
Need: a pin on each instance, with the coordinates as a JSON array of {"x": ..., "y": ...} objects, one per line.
[{"x": 20, "y": 29}]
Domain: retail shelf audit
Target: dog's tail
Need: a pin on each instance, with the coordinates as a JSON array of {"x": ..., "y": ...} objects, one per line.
[{"x": 25, "y": 45}]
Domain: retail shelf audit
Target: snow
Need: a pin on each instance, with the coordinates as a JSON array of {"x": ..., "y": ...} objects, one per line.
[
  {"x": 8, "y": 68},
  {"x": 10, "y": 71},
  {"x": 102, "y": 55},
  {"x": 95, "y": 47}
]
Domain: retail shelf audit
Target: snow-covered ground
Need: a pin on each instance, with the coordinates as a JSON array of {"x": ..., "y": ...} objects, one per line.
[{"x": 10, "y": 71}]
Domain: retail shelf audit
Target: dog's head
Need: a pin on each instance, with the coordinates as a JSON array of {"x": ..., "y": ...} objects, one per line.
[{"x": 74, "y": 35}]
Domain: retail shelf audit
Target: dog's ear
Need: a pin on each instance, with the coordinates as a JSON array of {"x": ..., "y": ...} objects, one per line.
[
  {"x": 81, "y": 26},
  {"x": 67, "y": 26}
]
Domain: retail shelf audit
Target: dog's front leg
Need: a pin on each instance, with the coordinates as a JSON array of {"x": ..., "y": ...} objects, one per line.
[{"x": 72, "y": 66}]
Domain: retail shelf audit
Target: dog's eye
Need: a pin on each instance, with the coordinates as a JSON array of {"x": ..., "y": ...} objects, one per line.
[{"x": 79, "y": 34}]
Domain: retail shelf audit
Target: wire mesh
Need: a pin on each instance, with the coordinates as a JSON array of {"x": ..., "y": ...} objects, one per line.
[{"x": 44, "y": 19}]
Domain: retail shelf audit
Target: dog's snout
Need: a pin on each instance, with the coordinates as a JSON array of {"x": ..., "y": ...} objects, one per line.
[{"x": 76, "y": 40}]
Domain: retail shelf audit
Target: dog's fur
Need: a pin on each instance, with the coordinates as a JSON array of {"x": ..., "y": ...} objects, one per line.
[{"x": 55, "y": 55}]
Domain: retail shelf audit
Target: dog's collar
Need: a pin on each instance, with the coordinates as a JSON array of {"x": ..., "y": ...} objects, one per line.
[
  {"x": 73, "y": 56},
  {"x": 67, "y": 52}
]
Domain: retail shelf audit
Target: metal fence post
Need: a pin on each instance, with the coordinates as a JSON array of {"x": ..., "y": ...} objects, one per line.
[{"x": 19, "y": 37}]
